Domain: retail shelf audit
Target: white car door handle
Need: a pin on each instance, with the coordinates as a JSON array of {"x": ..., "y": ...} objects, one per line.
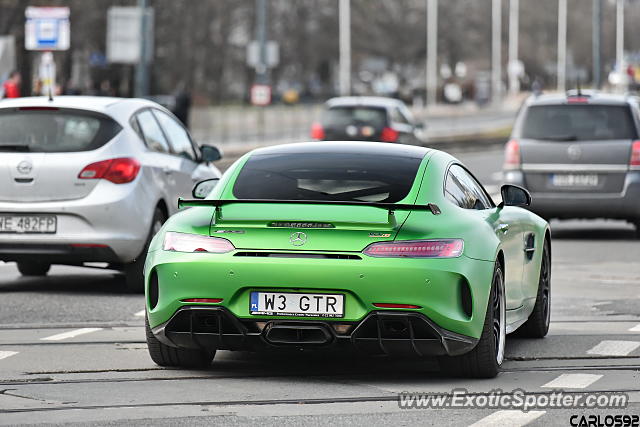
[{"x": 167, "y": 171}]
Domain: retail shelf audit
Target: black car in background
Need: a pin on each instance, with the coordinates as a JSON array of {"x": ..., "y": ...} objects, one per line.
[{"x": 367, "y": 118}]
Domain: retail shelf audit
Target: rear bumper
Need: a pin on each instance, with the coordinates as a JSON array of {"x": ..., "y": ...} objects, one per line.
[
  {"x": 623, "y": 205},
  {"x": 450, "y": 292},
  {"x": 389, "y": 333},
  {"x": 115, "y": 216}
]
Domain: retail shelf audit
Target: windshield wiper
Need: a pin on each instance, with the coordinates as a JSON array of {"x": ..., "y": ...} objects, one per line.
[{"x": 11, "y": 146}]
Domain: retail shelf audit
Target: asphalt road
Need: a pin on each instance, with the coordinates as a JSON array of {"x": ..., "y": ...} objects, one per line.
[{"x": 72, "y": 350}]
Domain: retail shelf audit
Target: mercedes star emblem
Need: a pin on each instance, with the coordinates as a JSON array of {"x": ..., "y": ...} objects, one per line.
[{"x": 298, "y": 238}]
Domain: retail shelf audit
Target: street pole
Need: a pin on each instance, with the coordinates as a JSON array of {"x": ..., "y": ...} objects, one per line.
[
  {"x": 562, "y": 45},
  {"x": 432, "y": 52},
  {"x": 620, "y": 44},
  {"x": 142, "y": 67},
  {"x": 514, "y": 81},
  {"x": 496, "y": 54},
  {"x": 595, "y": 42},
  {"x": 262, "y": 76},
  {"x": 345, "y": 47}
]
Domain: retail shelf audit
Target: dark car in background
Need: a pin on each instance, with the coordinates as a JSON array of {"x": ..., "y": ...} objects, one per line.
[
  {"x": 579, "y": 155},
  {"x": 367, "y": 118}
]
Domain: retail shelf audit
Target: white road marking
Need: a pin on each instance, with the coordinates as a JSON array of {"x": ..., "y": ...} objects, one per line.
[
  {"x": 614, "y": 348},
  {"x": 573, "y": 381},
  {"x": 508, "y": 418},
  {"x": 635, "y": 328},
  {"x": 5, "y": 354},
  {"x": 70, "y": 334},
  {"x": 141, "y": 313}
]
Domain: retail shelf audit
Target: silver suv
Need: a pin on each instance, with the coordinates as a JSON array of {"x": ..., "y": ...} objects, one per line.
[
  {"x": 579, "y": 155},
  {"x": 88, "y": 179}
]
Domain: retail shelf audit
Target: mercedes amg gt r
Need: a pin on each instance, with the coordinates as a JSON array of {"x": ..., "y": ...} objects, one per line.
[{"x": 382, "y": 248}]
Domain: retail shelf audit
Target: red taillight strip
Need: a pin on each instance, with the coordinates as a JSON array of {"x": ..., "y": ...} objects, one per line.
[
  {"x": 207, "y": 300},
  {"x": 393, "y": 305},
  {"x": 38, "y": 108}
]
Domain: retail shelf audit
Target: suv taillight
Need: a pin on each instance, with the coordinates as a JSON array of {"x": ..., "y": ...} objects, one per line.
[
  {"x": 118, "y": 171},
  {"x": 512, "y": 155},
  {"x": 635, "y": 154},
  {"x": 317, "y": 131}
]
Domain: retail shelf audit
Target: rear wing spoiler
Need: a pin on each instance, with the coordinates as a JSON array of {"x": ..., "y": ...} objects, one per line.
[{"x": 433, "y": 208}]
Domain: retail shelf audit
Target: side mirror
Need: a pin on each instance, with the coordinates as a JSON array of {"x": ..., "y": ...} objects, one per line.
[
  {"x": 210, "y": 153},
  {"x": 204, "y": 188},
  {"x": 512, "y": 195}
]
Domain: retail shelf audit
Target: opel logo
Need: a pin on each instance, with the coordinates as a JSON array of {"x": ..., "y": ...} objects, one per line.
[
  {"x": 574, "y": 152},
  {"x": 24, "y": 167},
  {"x": 298, "y": 238}
]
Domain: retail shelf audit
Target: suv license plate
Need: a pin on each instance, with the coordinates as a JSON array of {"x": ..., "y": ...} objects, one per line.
[
  {"x": 574, "y": 180},
  {"x": 295, "y": 304}
]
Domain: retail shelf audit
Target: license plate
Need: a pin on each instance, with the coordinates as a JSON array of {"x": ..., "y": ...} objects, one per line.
[
  {"x": 295, "y": 304},
  {"x": 28, "y": 224},
  {"x": 574, "y": 180}
]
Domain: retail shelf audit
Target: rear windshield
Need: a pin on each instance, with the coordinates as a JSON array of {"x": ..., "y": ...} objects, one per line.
[
  {"x": 54, "y": 131},
  {"x": 578, "y": 122},
  {"x": 344, "y": 116},
  {"x": 326, "y": 176}
]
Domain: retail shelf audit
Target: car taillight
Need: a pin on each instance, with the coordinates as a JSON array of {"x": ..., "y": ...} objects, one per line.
[
  {"x": 317, "y": 131},
  {"x": 512, "y": 155},
  {"x": 635, "y": 154},
  {"x": 118, "y": 171},
  {"x": 441, "y": 248},
  {"x": 389, "y": 135},
  {"x": 183, "y": 242}
]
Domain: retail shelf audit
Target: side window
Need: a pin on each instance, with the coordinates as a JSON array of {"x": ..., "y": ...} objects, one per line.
[
  {"x": 152, "y": 133},
  {"x": 454, "y": 191},
  {"x": 475, "y": 197},
  {"x": 178, "y": 136},
  {"x": 398, "y": 117}
]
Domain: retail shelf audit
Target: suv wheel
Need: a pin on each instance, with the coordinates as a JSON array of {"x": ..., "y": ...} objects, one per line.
[
  {"x": 134, "y": 271},
  {"x": 33, "y": 268}
]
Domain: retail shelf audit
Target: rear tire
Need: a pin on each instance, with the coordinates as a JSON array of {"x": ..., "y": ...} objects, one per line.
[
  {"x": 486, "y": 357},
  {"x": 33, "y": 268},
  {"x": 165, "y": 355},
  {"x": 134, "y": 271},
  {"x": 537, "y": 325}
]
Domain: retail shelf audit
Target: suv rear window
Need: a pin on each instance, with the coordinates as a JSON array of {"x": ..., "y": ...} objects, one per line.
[
  {"x": 344, "y": 116},
  {"x": 578, "y": 122},
  {"x": 54, "y": 130},
  {"x": 326, "y": 176}
]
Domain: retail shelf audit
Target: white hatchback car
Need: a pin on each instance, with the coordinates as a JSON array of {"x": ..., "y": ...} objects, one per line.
[{"x": 91, "y": 179}]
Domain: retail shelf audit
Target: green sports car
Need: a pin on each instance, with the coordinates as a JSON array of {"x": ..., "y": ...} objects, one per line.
[{"x": 382, "y": 248}]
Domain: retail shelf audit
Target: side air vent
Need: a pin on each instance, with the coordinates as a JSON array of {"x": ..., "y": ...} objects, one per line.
[{"x": 297, "y": 255}]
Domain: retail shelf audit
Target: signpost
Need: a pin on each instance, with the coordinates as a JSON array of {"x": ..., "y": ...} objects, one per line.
[{"x": 260, "y": 95}]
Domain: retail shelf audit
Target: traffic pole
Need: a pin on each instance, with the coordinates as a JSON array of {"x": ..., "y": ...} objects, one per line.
[
  {"x": 432, "y": 53},
  {"x": 345, "y": 47},
  {"x": 496, "y": 50},
  {"x": 514, "y": 81},
  {"x": 142, "y": 67},
  {"x": 596, "y": 37},
  {"x": 620, "y": 44},
  {"x": 562, "y": 45}
]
